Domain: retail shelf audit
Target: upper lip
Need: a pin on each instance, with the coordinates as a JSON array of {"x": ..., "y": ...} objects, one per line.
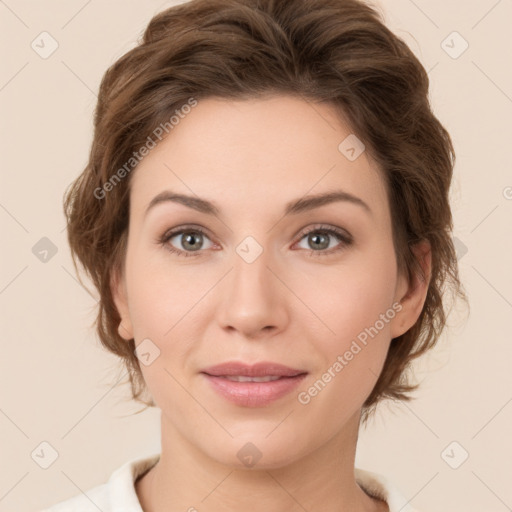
[{"x": 261, "y": 369}]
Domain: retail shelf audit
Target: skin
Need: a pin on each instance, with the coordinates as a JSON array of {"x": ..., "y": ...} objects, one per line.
[{"x": 290, "y": 306}]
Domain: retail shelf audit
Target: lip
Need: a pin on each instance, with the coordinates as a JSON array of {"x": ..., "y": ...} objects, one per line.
[
  {"x": 261, "y": 369},
  {"x": 253, "y": 394}
]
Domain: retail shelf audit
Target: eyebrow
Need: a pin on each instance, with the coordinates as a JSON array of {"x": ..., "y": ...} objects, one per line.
[{"x": 292, "y": 208}]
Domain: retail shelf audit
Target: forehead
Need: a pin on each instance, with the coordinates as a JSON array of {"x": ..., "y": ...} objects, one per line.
[{"x": 250, "y": 154}]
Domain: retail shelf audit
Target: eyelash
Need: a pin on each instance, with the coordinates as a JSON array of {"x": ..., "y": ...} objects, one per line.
[{"x": 344, "y": 238}]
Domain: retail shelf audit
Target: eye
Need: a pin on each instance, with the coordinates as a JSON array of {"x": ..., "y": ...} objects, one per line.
[
  {"x": 190, "y": 238},
  {"x": 320, "y": 237}
]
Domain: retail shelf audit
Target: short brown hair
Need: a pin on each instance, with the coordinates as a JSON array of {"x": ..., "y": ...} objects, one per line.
[{"x": 332, "y": 51}]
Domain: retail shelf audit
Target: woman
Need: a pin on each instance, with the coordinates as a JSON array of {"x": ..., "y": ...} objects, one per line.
[{"x": 265, "y": 214}]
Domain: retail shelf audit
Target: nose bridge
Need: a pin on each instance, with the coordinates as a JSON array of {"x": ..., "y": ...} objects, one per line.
[
  {"x": 252, "y": 281},
  {"x": 252, "y": 298}
]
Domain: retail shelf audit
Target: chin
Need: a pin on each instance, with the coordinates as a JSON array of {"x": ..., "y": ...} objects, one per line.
[{"x": 255, "y": 449}]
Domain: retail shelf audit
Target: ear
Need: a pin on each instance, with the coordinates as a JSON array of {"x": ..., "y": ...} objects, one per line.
[
  {"x": 118, "y": 290},
  {"x": 412, "y": 294}
]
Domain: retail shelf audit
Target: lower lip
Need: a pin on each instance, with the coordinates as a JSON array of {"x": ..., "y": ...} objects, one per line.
[{"x": 254, "y": 394}]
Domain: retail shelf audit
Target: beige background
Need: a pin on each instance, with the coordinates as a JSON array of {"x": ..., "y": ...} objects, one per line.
[{"x": 57, "y": 384}]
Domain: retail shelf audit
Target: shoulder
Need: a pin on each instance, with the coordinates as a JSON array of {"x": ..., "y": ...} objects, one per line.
[
  {"x": 116, "y": 494},
  {"x": 379, "y": 486}
]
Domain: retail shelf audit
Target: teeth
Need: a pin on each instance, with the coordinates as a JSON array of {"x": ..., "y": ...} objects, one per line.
[{"x": 243, "y": 378}]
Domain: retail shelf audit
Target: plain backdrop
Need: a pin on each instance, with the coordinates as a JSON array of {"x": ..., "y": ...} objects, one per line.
[{"x": 57, "y": 383}]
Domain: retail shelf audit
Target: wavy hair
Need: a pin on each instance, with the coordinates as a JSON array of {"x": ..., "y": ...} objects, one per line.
[{"x": 331, "y": 51}]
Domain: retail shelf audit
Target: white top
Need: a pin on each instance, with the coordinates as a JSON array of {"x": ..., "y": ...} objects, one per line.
[{"x": 118, "y": 494}]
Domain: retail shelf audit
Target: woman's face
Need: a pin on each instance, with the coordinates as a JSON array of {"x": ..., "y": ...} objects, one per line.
[{"x": 269, "y": 276}]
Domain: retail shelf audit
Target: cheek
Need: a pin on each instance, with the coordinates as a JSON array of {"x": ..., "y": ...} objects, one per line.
[
  {"x": 357, "y": 308},
  {"x": 352, "y": 295},
  {"x": 163, "y": 302},
  {"x": 163, "y": 311},
  {"x": 161, "y": 293},
  {"x": 353, "y": 307}
]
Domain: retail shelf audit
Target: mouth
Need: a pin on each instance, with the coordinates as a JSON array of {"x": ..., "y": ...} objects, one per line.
[
  {"x": 261, "y": 369},
  {"x": 254, "y": 385},
  {"x": 243, "y": 378}
]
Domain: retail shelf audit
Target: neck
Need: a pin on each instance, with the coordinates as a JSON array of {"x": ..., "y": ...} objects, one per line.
[{"x": 186, "y": 478}]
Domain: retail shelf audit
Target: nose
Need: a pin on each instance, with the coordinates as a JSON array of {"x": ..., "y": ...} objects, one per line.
[{"x": 253, "y": 299}]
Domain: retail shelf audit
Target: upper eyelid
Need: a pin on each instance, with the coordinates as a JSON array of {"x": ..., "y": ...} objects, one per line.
[{"x": 325, "y": 227}]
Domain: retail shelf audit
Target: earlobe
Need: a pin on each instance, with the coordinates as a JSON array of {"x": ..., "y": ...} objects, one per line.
[
  {"x": 124, "y": 332},
  {"x": 412, "y": 294},
  {"x": 118, "y": 290}
]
